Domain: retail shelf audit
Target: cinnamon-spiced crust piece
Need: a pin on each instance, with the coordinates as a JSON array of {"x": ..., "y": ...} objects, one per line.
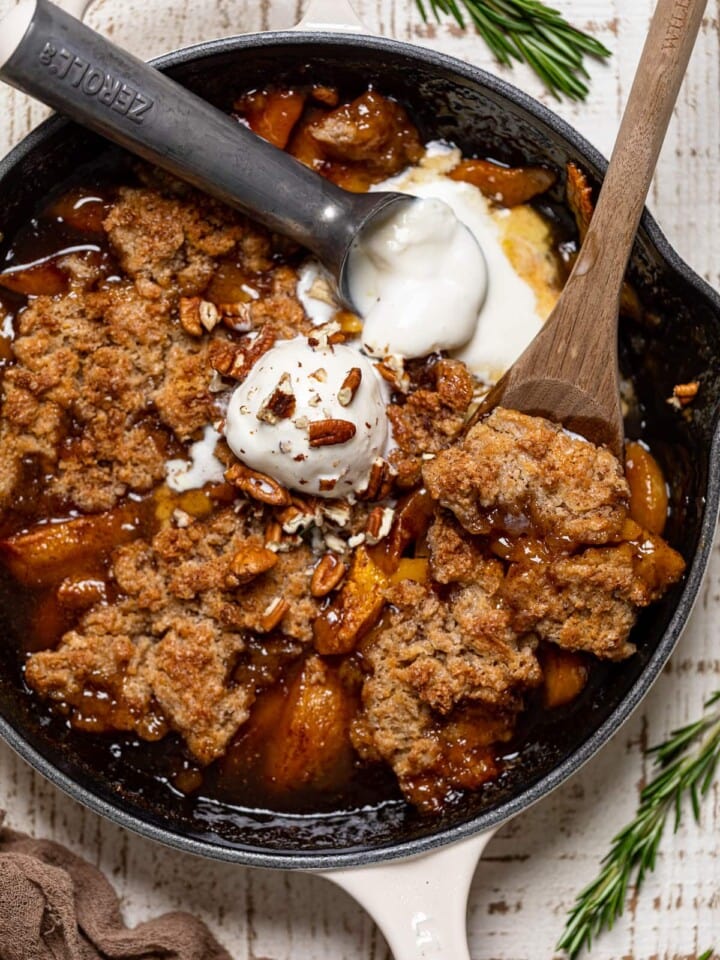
[
  {"x": 519, "y": 474},
  {"x": 176, "y": 634},
  {"x": 432, "y": 662}
]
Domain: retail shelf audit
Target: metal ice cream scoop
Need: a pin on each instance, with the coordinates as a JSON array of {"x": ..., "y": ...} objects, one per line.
[{"x": 55, "y": 58}]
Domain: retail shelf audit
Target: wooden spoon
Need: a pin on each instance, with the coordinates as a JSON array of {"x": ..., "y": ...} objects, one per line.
[{"x": 569, "y": 373}]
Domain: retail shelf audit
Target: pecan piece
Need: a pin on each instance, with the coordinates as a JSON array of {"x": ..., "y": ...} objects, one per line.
[
  {"x": 209, "y": 316},
  {"x": 280, "y": 404},
  {"x": 349, "y": 387},
  {"x": 355, "y": 610},
  {"x": 328, "y": 334},
  {"x": 296, "y": 518},
  {"x": 273, "y": 614},
  {"x": 327, "y": 433},
  {"x": 227, "y": 358},
  {"x": 327, "y": 575},
  {"x": 189, "y": 312},
  {"x": 273, "y": 533},
  {"x": 321, "y": 290},
  {"x": 379, "y": 483},
  {"x": 379, "y": 523},
  {"x": 235, "y": 360},
  {"x": 236, "y": 316},
  {"x": 197, "y": 315},
  {"x": 249, "y": 562},
  {"x": 257, "y": 485},
  {"x": 394, "y": 373}
]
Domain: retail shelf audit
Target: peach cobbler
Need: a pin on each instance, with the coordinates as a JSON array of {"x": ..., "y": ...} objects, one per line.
[{"x": 242, "y": 527}]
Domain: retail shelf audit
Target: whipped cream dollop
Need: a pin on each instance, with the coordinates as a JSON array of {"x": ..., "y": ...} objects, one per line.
[
  {"x": 311, "y": 417},
  {"x": 419, "y": 279},
  {"x": 478, "y": 307}
]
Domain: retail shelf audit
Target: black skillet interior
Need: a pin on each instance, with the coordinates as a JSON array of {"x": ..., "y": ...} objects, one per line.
[{"x": 678, "y": 341}]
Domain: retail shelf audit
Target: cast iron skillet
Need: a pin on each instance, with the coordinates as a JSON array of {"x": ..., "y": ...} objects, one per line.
[{"x": 678, "y": 341}]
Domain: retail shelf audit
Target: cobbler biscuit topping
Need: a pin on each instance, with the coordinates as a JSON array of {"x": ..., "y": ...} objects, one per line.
[{"x": 230, "y": 525}]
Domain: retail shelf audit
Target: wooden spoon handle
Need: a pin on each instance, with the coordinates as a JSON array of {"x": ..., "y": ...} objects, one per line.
[{"x": 609, "y": 240}]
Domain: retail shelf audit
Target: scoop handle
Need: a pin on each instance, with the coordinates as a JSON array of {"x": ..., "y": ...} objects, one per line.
[{"x": 75, "y": 70}]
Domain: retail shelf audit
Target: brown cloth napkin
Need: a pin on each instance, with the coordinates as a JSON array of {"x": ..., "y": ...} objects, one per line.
[{"x": 56, "y": 906}]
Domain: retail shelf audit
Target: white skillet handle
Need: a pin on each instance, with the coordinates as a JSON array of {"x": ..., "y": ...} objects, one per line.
[{"x": 420, "y": 904}]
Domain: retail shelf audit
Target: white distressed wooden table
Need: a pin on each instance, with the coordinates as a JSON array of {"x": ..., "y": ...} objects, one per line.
[{"x": 535, "y": 865}]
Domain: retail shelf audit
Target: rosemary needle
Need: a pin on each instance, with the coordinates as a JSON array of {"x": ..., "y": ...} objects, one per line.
[
  {"x": 530, "y": 31},
  {"x": 685, "y": 767}
]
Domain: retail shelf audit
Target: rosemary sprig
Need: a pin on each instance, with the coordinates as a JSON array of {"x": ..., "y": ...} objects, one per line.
[
  {"x": 685, "y": 767},
  {"x": 527, "y": 30}
]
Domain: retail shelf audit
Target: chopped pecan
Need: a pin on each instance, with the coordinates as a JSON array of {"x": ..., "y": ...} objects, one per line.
[
  {"x": 328, "y": 333},
  {"x": 280, "y": 404},
  {"x": 257, "y": 485},
  {"x": 189, "y": 311},
  {"x": 197, "y": 315},
  {"x": 379, "y": 523},
  {"x": 235, "y": 360},
  {"x": 336, "y": 511},
  {"x": 273, "y": 614},
  {"x": 321, "y": 290},
  {"x": 379, "y": 483},
  {"x": 326, "y": 433},
  {"x": 226, "y": 357},
  {"x": 327, "y": 575},
  {"x": 209, "y": 316},
  {"x": 181, "y": 518},
  {"x": 249, "y": 562},
  {"x": 349, "y": 387},
  {"x": 296, "y": 518},
  {"x": 394, "y": 374},
  {"x": 273, "y": 533},
  {"x": 236, "y": 316}
]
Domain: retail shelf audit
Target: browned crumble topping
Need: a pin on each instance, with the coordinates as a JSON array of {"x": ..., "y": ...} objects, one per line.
[
  {"x": 517, "y": 474},
  {"x": 430, "y": 417},
  {"x": 432, "y": 662},
  {"x": 176, "y": 635},
  {"x": 411, "y": 623},
  {"x": 588, "y": 601}
]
